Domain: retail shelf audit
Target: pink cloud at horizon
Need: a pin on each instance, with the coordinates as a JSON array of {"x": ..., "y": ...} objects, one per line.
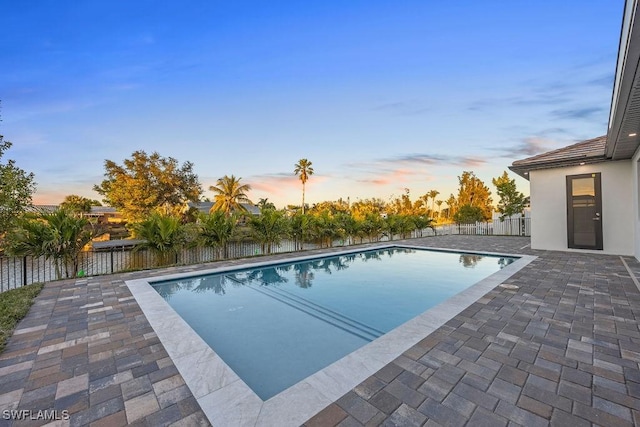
[{"x": 397, "y": 176}]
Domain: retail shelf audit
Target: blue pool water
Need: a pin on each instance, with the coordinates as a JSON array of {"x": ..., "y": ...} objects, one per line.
[{"x": 278, "y": 324}]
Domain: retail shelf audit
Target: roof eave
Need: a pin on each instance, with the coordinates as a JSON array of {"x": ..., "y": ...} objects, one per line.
[
  {"x": 524, "y": 169},
  {"x": 623, "y": 136}
]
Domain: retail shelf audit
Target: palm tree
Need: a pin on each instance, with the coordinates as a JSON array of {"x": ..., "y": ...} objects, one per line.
[
  {"x": 425, "y": 199},
  {"x": 372, "y": 226},
  {"x": 439, "y": 203},
  {"x": 162, "y": 235},
  {"x": 59, "y": 235},
  {"x": 229, "y": 195},
  {"x": 421, "y": 222},
  {"x": 216, "y": 230},
  {"x": 268, "y": 229},
  {"x": 304, "y": 169},
  {"x": 265, "y": 204},
  {"x": 432, "y": 194},
  {"x": 452, "y": 204},
  {"x": 299, "y": 229}
]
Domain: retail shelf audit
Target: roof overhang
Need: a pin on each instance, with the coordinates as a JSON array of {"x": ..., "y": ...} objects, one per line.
[
  {"x": 581, "y": 153},
  {"x": 523, "y": 170},
  {"x": 623, "y": 135}
]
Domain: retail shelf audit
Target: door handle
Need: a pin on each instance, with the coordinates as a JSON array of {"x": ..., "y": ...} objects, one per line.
[{"x": 597, "y": 218}]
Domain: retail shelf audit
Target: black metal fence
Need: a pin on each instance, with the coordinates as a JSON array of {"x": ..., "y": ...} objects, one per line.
[{"x": 20, "y": 271}]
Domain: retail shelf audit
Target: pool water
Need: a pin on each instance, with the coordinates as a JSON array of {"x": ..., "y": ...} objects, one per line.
[{"x": 275, "y": 325}]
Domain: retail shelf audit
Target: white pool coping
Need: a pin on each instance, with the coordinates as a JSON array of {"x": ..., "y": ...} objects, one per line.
[{"x": 227, "y": 400}]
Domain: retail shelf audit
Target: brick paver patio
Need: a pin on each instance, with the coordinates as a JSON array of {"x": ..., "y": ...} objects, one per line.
[{"x": 558, "y": 343}]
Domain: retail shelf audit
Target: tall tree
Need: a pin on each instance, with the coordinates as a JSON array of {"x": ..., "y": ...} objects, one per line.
[
  {"x": 474, "y": 192},
  {"x": 333, "y": 207},
  {"x": 78, "y": 204},
  {"x": 361, "y": 208},
  {"x": 147, "y": 183},
  {"x": 16, "y": 188},
  {"x": 439, "y": 203},
  {"x": 230, "y": 195},
  {"x": 304, "y": 169},
  {"x": 452, "y": 205},
  {"x": 403, "y": 205},
  {"x": 511, "y": 200},
  {"x": 433, "y": 194},
  {"x": 468, "y": 214}
]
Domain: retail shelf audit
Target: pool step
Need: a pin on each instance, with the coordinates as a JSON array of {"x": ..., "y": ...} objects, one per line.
[
  {"x": 329, "y": 312},
  {"x": 321, "y": 313}
]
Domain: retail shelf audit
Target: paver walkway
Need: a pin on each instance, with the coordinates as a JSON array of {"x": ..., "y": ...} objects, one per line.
[{"x": 558, "y": 343}]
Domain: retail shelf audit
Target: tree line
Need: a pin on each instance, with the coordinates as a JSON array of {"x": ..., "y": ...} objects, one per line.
[{"x": 153, "y": 193}]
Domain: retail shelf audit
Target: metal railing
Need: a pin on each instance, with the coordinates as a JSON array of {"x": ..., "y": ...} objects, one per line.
[{"x": 20, "y": 271}]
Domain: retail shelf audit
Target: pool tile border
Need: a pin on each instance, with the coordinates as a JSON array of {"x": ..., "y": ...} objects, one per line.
[{"x": 227, "y": 400}]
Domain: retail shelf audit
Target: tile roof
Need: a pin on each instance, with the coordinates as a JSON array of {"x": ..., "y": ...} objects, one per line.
[
  {"x": 589, "y": 151},
  {"x": 206, "y": 207},
  {"x": 42, "y": 208}
]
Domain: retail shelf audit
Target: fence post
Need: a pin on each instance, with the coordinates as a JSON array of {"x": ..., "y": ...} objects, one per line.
[
  {"x": 111, "y": 255},
  {"x": 24, "y": 271}
]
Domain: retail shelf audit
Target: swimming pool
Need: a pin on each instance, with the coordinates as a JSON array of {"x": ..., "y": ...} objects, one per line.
[
  {"x": 276, "y": 325},
  {"x": 219, "y": 389}
]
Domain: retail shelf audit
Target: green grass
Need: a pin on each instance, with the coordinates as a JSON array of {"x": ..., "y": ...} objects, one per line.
[{"x": 14, "y": 305}]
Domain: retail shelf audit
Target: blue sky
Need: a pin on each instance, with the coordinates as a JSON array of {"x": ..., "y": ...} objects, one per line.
[{"x": 379, "y": 95}]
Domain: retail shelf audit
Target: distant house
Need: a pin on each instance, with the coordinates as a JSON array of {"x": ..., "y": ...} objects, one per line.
[
  {"x": 586, "y": 197},
  {"x": 42, "y": 208},
  {"x": 105, "y": 214},
  {"x": 205, "y": 207}
]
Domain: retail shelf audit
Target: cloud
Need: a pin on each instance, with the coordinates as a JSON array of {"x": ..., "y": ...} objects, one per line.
[
  {"x": 469, "y": 161},
  {"x": 526, "y": 147},
  {"x": 382, "y": 178},
  {"x": 542, "y": 99},
  {"x": 578, "y": 113},
  {"x": 606, "y": 81},
  {"x": 406, "y": 169},
  {"x": 553, "y": 131},
  {"x": 539, "y": 92},
  {"x": 281, "y": 183},
  {"x": 273, "y": 183},
  {"x": 402, "y": 108},
  {"x": 53, "y": 192},
  {"x": 422, "y": 159}
]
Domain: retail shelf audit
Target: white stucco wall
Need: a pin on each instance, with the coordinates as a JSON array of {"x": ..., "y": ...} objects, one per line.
[
  {"x": 549, "y": 207},
  {"x": 635, "y": 165}
]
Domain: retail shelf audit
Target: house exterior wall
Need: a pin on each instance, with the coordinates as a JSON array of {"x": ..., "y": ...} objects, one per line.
[
  {"x": 635, "y": 202},
  {"x": 549, "y": 207}
]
